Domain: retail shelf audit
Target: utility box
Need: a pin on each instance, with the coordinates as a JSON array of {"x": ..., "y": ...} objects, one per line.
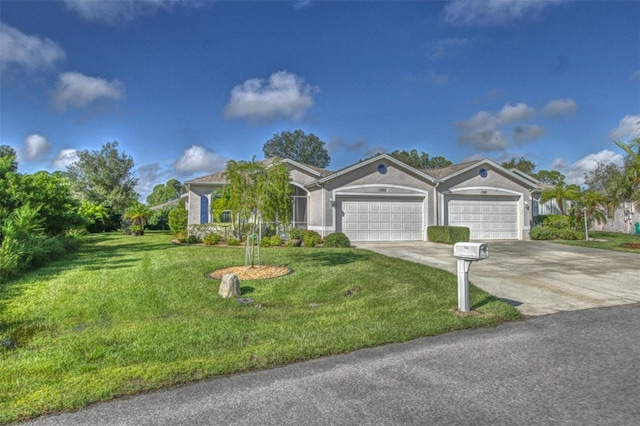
[{"x": 471, "y": 251}]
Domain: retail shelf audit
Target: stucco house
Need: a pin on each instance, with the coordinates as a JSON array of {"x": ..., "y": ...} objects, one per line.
[{"x": 384, "y": 199}]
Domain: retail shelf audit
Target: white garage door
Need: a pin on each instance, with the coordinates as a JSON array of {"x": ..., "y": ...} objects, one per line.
[
  {"x": 382, "y": 220},
  {"x": 487, "y": 219}
]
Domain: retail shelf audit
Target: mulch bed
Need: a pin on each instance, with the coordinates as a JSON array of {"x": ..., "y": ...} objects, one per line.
[{"x": 247, "y": 273}]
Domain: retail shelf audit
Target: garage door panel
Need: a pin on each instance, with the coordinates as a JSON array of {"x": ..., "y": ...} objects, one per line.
[
  {"x": 487, "y": 219},
  {"x": 385, "y": 220}
]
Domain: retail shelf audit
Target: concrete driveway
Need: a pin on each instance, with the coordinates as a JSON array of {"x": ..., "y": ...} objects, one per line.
[{"x": 537, "y": 277}]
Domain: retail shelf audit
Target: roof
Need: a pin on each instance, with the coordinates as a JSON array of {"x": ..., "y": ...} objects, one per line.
[
  {"x": 218, "y": 177},
  {"x": 442, "y": 172},
  {"x": 323, "y": 175},
  {"x": 212, "y": 178}
]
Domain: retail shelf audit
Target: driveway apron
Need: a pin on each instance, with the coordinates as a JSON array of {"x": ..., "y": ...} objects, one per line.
[{"x": 537, "y": 277}]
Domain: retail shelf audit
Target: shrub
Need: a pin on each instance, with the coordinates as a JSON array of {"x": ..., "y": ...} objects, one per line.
[
  {"x": 337, "y": 239},
  {"x": 557, "y": 221},
  {"x": 265, "y": 242},
  {"x": 232, "y": 241},
  {"x": 178, "y": 220},
  {"x": 295, "y": 233},
  {"x": 311, "y": 238},
  {"x": 542, "y": 233},
  {"x": 276, "y": 240},
  {"x": 193, "y": 239},
  {"x": 570, "y": 234},
  {"x": 448, "y": 234},
  {"x": 548, "y": 233},
  {"x": 212, "y": 239},
  {"x": 25, "y": 244}
]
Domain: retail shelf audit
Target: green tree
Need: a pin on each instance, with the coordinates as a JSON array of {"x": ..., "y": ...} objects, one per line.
[
  {"x": 561, "y": 193},
  {"x": 256, "y": 193},
  {"x": 95, "y": 214},
  {"x": 412, "y": 158},
  {"x": 50, "y": 194},
  {"x": 105, "y": 177},
  {"x": 165, "y": 192},
  {"x": 420, "y": 160},
  {"x": 438, "y": 162},
  {"x": 521, "y": 164},
  {"x": 628, "y": 183},
  {"x": 298, "y": 146},
  {"x": 8, "y": 155},
  {"x": 550, "y": 177}
]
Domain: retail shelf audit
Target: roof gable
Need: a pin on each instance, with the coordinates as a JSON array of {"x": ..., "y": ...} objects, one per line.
[
  {"x": 397, "y": 163},
  {"x": 454, "y": 171}
]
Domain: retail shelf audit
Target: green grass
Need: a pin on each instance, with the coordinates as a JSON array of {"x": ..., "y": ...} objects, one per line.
[
  {"x": 608, "y": 241},
  {"x": 131, "y": 314}
]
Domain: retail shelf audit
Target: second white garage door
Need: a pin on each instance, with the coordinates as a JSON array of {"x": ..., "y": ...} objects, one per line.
[
  {"x": 383, "y": 220},
  {"x": 487, "y": 219}
]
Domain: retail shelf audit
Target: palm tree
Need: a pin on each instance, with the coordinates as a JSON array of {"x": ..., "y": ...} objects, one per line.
[
  {"x": 628, "y": 185},
  {"x": 595, "y": 205},
  {"x": 138, "y": 214},
  {"x": 561, "y": 193}
]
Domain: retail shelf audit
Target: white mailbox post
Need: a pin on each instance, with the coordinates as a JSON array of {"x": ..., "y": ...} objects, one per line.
[{"x": 467, "y": 253}]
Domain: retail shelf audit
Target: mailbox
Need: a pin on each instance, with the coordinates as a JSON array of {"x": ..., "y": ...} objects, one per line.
[{"x": 471, "y": 251}]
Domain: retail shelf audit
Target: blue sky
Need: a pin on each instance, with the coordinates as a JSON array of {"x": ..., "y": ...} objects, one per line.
[{"x": 184, "y": 86}]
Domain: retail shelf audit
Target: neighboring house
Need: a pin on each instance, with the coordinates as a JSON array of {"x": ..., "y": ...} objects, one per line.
[
  {"x": 384, "y": 199},
  {"x": 624, "y": 220}
]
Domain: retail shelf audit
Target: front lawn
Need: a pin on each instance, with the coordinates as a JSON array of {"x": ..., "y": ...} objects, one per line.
[
  {"x": 131, "y": 314},
  {"x": 608, "y": 241}
]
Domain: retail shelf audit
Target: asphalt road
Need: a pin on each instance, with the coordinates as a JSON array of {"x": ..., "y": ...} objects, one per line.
[{"x": 580, "y": 367}]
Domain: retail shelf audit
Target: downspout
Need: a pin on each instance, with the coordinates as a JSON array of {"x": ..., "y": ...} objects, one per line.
[
  {"x": 188, "y": 186},
  {"x": 323, "y": 209},
  {"x": 435, "y": 197}
]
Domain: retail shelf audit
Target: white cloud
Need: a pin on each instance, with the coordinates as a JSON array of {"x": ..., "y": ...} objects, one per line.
[
  {"x": 35, "y": 146},
  {"x": 113, "y": 12},
  {"x": 27, "y": 51},
  {"x": 283, "y": 95},
  {"x": 558, "y": 107},
  {"x": 576, "y": 172},
  {"x": 494, "y": 12},
  {"x": 149, "y": 176},
  {"x": 559, "y": 163},
  {"x": 65, "y": 158},
  {"x": 635, "y": 75},
  {"x": 197, "y": 159},
  {"x": 485, "y": 131},
  {"x": 628, "y": 128},
  {"x": 78, "y": 90},
  {"x": 523, "y": 134}
]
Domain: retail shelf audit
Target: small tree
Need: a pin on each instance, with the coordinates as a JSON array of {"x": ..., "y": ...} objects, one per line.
[
  {"x": 138, "y": 214},
  {"x": 178, "y": 219},
  {"x": 256, "y": 193}
]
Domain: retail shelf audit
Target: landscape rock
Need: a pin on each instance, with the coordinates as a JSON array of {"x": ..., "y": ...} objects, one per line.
[{"x": 230, "y": 286}]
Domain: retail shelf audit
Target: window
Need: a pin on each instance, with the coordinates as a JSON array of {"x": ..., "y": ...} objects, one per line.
[{"x": 299, "y": 218}]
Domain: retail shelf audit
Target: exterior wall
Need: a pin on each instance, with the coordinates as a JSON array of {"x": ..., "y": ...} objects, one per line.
[
  {"x": 199, "y": 203},
  {"x": 496, "y": 184},
  {"x": 366, "y": 182},
  {"x": 623, "y": 220}
]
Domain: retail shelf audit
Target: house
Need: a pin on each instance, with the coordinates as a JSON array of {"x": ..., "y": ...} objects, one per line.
[{"x": 384, "y": 199}]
